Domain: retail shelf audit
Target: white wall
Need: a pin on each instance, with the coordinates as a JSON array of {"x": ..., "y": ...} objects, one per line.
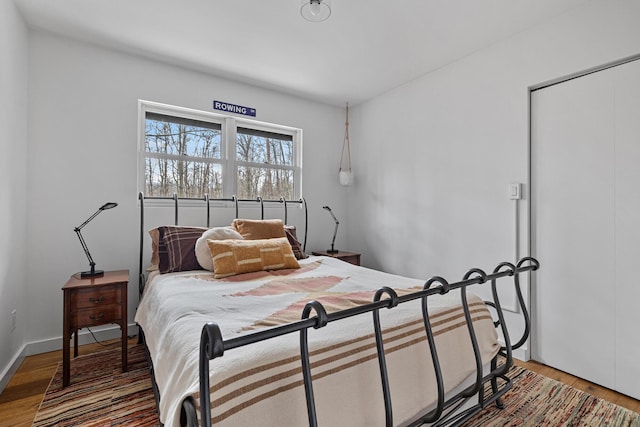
[
  {"x": 83, "y": 104},
  {"x": 13, "y": 177},
  {"x": 433, "y": 158}
]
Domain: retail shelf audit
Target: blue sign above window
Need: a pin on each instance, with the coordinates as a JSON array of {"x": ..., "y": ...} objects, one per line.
[{"x": 233, "y": 108}]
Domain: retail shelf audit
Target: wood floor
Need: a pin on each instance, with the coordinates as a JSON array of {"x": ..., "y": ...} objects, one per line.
[{"x": 19, "y": 402}]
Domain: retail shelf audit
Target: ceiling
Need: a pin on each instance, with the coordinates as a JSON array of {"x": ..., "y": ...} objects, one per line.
[{"x": 365, "y": 48}]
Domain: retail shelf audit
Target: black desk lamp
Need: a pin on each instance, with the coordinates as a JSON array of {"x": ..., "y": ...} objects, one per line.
[
  {"x": 335, "y": 231},
  {"x": 93, "y": 272}
]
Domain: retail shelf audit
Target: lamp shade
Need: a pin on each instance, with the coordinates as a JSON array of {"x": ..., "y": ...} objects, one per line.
[{"x": 315, "y": 10}]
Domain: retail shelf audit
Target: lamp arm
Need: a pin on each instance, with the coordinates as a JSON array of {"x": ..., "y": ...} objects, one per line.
[
  {"x": 333, "y": 216},
  {"x": 84, "y": 246},
  {"x": 92, "y": 264},
  {"x": 335, "y": 231},
  {"x": 88, "y": 220}
]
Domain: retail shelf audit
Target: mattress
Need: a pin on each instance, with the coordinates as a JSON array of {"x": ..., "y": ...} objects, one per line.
[{"x": 262, "y": 383}]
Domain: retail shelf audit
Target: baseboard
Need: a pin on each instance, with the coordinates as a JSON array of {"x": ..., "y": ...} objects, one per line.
[
  {"x": 84, "y": 337},
  {"x": 12, "y": 367},
  {"x": 521, "y": 354}
]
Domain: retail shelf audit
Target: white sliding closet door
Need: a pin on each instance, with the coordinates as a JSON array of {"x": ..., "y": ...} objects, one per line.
[
  {"x": 627, "y": 196},
  {"x": 572, "y": 195},
  {"x": 585, "y": 164}
]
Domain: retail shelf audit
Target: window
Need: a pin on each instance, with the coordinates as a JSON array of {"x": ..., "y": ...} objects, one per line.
[
  {"x": 192, "y": 153},
  {"x": 265, "y": 164},
  {"x": 182, "y": 156}
]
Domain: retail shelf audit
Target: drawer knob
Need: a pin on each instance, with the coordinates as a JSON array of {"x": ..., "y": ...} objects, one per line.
[
  {"x": 96, "y": 300},
  {"x": 99, "y": 316}
]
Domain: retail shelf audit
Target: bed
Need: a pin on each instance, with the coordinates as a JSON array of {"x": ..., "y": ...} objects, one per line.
[{"x": 323, "y": 343}]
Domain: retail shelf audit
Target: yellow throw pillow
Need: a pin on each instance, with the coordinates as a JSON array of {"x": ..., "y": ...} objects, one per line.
[
  {"x": 253, "y": 229},
  {"x": 231, "y": 257}
]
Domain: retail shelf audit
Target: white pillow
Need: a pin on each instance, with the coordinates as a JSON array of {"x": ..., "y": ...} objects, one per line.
[{"x": 203, "y": 255}]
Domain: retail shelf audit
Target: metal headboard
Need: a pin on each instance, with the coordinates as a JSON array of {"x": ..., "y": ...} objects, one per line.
[{"x": 207, "y": 204}]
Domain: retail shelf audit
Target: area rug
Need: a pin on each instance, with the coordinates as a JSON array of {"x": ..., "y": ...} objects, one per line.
[
  {"x": 536, "y": 400},
  {"x": 100, "y": 394}
]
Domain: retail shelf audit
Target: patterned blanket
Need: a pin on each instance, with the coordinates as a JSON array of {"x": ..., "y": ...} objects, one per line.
[{"x": 263, "y": 382}]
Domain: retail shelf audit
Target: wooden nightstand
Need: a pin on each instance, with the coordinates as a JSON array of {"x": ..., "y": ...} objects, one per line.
[
  {"x": 92, "y": 302},
  {"x": 350, "y": 257}
]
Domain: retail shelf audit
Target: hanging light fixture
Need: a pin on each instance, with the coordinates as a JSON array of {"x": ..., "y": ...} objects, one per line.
[
  {"x": 346, "y": 175},
  {"x": 315, "y": 10}
]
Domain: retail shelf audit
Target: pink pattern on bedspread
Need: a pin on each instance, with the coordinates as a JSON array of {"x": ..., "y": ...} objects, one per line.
[
  {"x": 282, "y": 286},
  {"x": 331, "y": 301}
]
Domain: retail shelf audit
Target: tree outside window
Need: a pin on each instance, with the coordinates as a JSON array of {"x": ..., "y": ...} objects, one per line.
[
  {"x": 265, "y": 164},
  {"x": 182, "y": 157}
]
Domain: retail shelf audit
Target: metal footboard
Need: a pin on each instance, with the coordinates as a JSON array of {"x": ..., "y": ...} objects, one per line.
[{"x": 447, "y": 410}]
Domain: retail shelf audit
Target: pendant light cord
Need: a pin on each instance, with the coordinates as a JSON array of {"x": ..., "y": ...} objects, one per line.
[{"x": 346, "y": 142}]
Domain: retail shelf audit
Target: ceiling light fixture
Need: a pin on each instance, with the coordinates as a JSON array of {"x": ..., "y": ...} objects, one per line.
[{"x": 315, "y": 10}]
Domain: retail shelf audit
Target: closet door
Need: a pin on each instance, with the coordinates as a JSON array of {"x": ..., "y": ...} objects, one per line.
[
  {"x": 585, "y": 195},
  {"x": 627, "y": 196},
  {"x": 572, "y": 166}
]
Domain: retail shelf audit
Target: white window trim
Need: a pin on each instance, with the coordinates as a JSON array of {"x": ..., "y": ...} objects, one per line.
[{"x": 228, "y": 125}]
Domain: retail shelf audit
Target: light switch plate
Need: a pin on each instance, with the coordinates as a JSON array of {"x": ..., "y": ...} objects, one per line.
[{"x": 515, "y": 191}]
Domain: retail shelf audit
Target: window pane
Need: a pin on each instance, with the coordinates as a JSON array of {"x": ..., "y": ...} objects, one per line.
[
  {"x": 179, "y": 136},
  {"x": 265, "y": 182},
  {"x": 264, "y": 147},
  {"x": 164, "y": 177}
]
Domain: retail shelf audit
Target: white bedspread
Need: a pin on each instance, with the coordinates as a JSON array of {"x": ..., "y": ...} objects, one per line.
[{"x": 262, "y": 384}]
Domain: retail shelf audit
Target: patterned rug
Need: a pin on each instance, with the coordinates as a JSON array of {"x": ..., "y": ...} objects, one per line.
[
  {"x": 101, "y": 395},
  {"x": 535, "y": 400}
]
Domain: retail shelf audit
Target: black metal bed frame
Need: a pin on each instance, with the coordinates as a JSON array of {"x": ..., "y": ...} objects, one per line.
[
  {"x": 447, "y": 410},
  {"x": 207, "y": 203}
]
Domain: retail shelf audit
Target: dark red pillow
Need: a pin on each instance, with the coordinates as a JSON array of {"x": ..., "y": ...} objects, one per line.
[
  {"x": 296, "y": 246},
  {"x": 177, "y": 248}
]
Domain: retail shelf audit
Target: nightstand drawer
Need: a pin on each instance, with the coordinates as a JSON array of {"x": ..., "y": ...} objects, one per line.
[
  {"x": 98, "y": 297},
  {"x": 96, "y": 316}
]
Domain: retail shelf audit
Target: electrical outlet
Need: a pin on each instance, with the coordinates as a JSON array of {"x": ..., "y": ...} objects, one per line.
[{"x": 13, "y": 320}]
